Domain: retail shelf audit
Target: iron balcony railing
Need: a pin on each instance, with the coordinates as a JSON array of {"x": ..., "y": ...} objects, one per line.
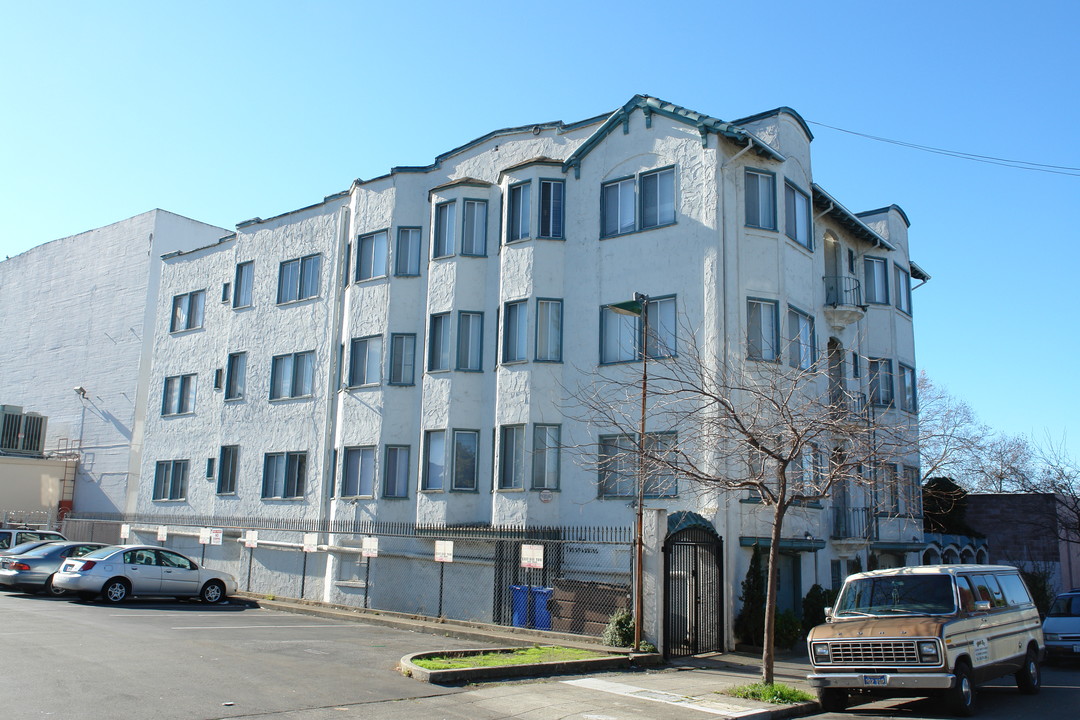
[
  {"x": 850, "y": 523},
  {"x": 841, "y": 290}
]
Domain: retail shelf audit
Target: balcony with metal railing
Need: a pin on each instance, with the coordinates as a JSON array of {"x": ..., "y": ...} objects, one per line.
[
  {"x": 843, "y": 300},
  {"x": 853, "y": 523}
]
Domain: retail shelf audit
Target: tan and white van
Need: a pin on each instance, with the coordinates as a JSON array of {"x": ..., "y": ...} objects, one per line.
[{"x": 929, "y": 630}]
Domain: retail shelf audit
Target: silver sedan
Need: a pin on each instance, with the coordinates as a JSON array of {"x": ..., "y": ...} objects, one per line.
[
  {"x": 118, "y": 572},
  {"x": 33, "y": 570}
]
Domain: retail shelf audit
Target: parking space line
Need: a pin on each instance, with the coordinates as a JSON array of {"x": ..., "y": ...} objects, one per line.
[{"x": 252, "y": 627}]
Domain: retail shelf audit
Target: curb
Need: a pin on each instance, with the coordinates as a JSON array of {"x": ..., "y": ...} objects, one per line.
[{"x": 497, "y": 672}]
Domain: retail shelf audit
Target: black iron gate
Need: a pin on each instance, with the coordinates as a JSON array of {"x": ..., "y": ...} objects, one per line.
[{"x": 694, "y": 597}]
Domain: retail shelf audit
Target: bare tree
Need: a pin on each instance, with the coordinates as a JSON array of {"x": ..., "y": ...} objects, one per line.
[
  {"x": 778, "y": 430},
  {"x": 950, "y": 434}
]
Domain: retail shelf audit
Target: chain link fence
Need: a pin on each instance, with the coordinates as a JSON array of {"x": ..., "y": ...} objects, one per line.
[{"x": 566, "y": 579}]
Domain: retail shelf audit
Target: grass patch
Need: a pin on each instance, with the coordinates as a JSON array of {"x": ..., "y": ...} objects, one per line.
[
  {"x": 521, "y": 656},
  {"x": 773, "y": 693}
]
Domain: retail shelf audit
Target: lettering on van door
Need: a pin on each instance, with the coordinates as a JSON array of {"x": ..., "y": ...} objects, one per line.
[{"x": 982, "y": 651}]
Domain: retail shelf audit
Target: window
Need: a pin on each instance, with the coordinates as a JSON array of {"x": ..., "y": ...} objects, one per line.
[
  {"x": 514, "y": 332},
  {"x": 877, "y": 281},
  {"x": 365, "y": 358},
  {"x": 617, "y": 211},
  {"x": 797, "y": 222},
  {"x": 881, "y": 386},
  {"x": 245, "y": 276},
  {"x": 434, "y": 475},
  {"x": 170, "y": 480},
  {"x": 466, "y": 447},
  {"x": 888, "y": 488},
  {"x": 911, "y": 493},
  {"x": 402, "y": 359},
  {"x": 179, "y": 395},
  {"x": 187, "y": 311},
  {"x": 439, "y": 343},
  {"x": 762, "y": 331},
  {"x": 284, "y": 475},
  {"x": 474, "y": 234},
  {"x": 407, "y": 257},
  {"x": 661, "y": 340},
  {"x": 551, "y": 208},
  {"x": 620, "y": 334},
  {"x": 549, "y": 330},
  {"x": 906, "y": 377},
  {"x": 396, "y": 479},
  {"x": 371, "y": 256},
  {"x": 219, "y": 376},
  {"x": 856, "y": 365},
  {"x": 298, "y": 279},
  {"x": 235, "y": 376},
  {"x": 801, "y": 350},
  {"x": 545, "y": 458},
  {"x": 517, "y": 216},
  {"x": 226, "y": 481},
  {"x": 226, "y": 292},
  {"x": 444, "y": 230},
  {"x": 512, "y": 457},
  {"x": 292, "y": 375},
  {"x": 658, "y": 198},
  {"x": 760, "y": 200},
  {"x": 902, "y": 289},
  {"x": 358, "y": 474},
  {"x": 619, "y": 466},
  {"x": 470, "y": 341}
]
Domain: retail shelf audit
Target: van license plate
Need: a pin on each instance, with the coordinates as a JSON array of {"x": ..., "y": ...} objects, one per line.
[
  {"x": 873, "y": 680},
  {"x": 1076, "y": 648}
]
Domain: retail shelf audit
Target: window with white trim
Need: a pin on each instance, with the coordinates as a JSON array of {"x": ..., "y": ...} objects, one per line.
[
  {"x": 298, "y": 279},
  {"x": 245, "y": 278},
  {"x": 470, "y": 354},
  {"x": 551, "y": 208},
  {"x": 876, "y": 285},
  {"x": 434, "y": 475},
  {"x": 618, "y": 465},
  {"x": 511, "y": 457},
  {"x": 762, "y": 332},
  {"x": 545, "y": 457},
  {"x": 439, "y": 343},
  {"x": 466, "y": 451},
  {"x": 227, "y": 469},
  {"x": 284, "y": 475},
  {"x": 407, "y": 254},
  {"x": 187, "y": 311},
  {"x": 515, "y": 329},
  {"x": 292, "y": 375},
  {"x": 358, "y": 472},
  {"x": 365, "y": 361},
  {"x": 657, "y": 198},
  {"x": 371, "y": 255},
  {"x": 902, "y": 288},
  {"x": 760, "y": 200},
  {"x": 797, "y": 219},
  {"x": 620, "y": 334},
  {"x": 617, "y": 208},
  {"x": 235, "y": 376},
  {"x": 474, "y": 232},
  {"x": 909, "y": 401},
  {"x": 170, "y": 480},
  {"x": 402, "y": 359},
  {"x": 178, "y": 397},
  {"x": 801, "y": 350},
  {"x": 881, "y": 384},
  {"x": 517, "y": 213},
  {"x": 445, "y": 221},
  {"x": 396, "y": 472},
  {"x": 549, "y": 330}
]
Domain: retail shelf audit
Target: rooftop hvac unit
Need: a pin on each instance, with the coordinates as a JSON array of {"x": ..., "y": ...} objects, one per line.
[{"x": 21, "y": 433}]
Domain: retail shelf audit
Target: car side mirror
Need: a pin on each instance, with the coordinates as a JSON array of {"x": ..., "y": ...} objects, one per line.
[
  {"x": 982, "y": 605},
  {"x": 828, "y": 614}
]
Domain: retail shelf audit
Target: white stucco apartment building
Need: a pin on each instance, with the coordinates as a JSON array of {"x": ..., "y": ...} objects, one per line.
[
  {"x": 403, "y": 351},
  {"x": 76, "y": 327}
]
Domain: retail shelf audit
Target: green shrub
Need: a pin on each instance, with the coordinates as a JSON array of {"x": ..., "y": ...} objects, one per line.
[
  {"x": 750, "y": 622},
  {"x": 620, "y": 629},
  {"x": 774, "y": 693},
  {"x": 787, "y": 632},
  {"x": 813, "y": 606}
]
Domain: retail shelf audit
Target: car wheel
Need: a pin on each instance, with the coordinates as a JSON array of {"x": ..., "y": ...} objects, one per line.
[
  {"x": 832, "y": 699},
  {"x": 116, "y": 590},
  {"x": 52, "y": 589},
  {"x": 1029, "y": 678},
  {"x": 212, "y": 592},
  {"x": 961, "y": 696}
]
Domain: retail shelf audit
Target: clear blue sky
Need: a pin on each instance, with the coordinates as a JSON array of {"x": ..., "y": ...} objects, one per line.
[{"x": 224, "y": 111}]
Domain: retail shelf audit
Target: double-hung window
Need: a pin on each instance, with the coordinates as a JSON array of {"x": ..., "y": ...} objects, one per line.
[
  {"x": 298, "y": 279},
  {"x": 365, "y": 361},
  {"x": 170, "y": 480},
  {"x": 551, "y": 208},
  {"x": 245, "y": 278},
  {"x": 445, "y": 220},
  {"x": 439, "y": 343},
  {"x": 284, "y": 475},
  {"x": 797, "y": 222},
  {"x": 617, "y": 208},
  {"x": 911, "y": 495},
  {"x": 760, "y": 200},
  {"x": 515, "y": 338},
  {"x": 549, "y": 330},
  {"x": 466, "y": 451},
  {"x": 178, "y": 397},
  {"x": 358, "y": 473},
  {"x": 292, "y": 375},
  {"x": 762, "y": 331},
  {"x": 618, "y": 464},
  {"x": 876, "y": 287},
  {"x": 407, "y": 254},
  {"x": 402, "y": 359},
  {"x": 801, "y": 350},
  {"x": 371, "y": 255},
  {"x": 517, "y": 215},
  {"x": 396, "y": 472},
  {"x": 434, "y": 475},
  {"x": 620, "y": 334},
  {"x": 470, "y": 354},
  {"x": 881, "y": 384},
  {"x": 906, "y": 378},
  {"x": 235, "y": 376},
  {"x": 511, "y": 457},
  {"x": 902, "y": 289},
  {"x": 657, "y": 198},
  {"x": 187, "y": 311},
  {"x": 619, "y": 203},
  {"x": 227, "y": 469},
  {"x": 545, "y": 458},
  {"x": 660, "y": 342},
  {"x": 474, "y": 231}
]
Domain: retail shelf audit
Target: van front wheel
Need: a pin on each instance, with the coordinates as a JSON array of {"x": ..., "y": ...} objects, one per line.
[
  {"x": 961, "y": 696},
  {"x": 1029, "y": 678},
  {"x": 832, "y": 699}
]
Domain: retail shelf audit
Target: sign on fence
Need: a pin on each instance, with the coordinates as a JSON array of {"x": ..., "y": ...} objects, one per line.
[
  {"x": 370, "y": 548},
  {"x": 204, "y": 536},
  {"x": 162, "y": 533},
  {"x": 251, "y": 539},
  {"x": 216, "y": 535},
  {"x": 311, "y": 542},
  {"x": 444, "y": 551},
  {"x": 532, "y": 556},
  {"x": 125, "y": 531}
]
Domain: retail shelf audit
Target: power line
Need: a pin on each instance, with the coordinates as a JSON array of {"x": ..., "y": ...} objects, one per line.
[{"x": 988, "y": 159}]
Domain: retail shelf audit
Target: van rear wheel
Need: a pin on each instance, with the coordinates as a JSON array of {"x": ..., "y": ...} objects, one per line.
[
  {"x": 832, "y": 699},
  {"x": 1029, "y": 677},
  {"x": 961, "y": 696}
]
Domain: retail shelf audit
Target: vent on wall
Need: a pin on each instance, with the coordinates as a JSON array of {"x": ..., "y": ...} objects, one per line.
[{"x": 21, "y": 433}]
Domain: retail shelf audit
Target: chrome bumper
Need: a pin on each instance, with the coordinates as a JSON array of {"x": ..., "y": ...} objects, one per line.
[{"x": 883, "y": 681}]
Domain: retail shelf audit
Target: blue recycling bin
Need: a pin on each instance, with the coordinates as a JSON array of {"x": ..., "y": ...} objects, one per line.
[
  {"x": 541, "y": 613},
  {"x": 519, "y": 605}
]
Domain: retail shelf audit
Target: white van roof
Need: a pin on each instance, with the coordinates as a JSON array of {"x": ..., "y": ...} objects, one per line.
[{"x": 935, "y": 570}]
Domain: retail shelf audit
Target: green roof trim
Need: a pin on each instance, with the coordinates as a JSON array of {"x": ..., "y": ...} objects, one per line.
[
  {"x": 917, "y": 272},
  {"x": 789, "y": 544},
  {"x": 684, "y": 519},
  {"x": 783, "y": 109},
  {"x": 899, "y": 546},
  {"x": 887, "y": 208},
  {"x": 848, "y": 220}
]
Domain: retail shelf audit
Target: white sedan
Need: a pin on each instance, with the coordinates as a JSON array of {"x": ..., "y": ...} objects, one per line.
[{"x": 118, "y": 572}]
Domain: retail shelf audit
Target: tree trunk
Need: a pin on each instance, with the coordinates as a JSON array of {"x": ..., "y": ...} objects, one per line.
[{"x": 768, "y": 652}]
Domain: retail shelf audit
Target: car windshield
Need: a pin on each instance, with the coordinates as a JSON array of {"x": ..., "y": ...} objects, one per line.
[
  {"x": 100, "y": 553},
  {"x": 1065, "y": 606},
  {"x": 26, "y": 546},
  {"x": 42, "y": 550},
  {"x": 896, "y": 594}
]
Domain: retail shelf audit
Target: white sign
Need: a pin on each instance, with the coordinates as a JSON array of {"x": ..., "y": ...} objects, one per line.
[
  {"x": 532, "y": 556},
  {"x": 162, "y": 533},
  {"x": 311, "y": 542},
  {"x": 251, "y": 539},
  {"x": 444, "y": 551},
  {"x": 204, "y": 536},
  {"x": 216, "y": 534},
  {"x": 371, "y": 547},
  {"x": 125, "y": 531}
]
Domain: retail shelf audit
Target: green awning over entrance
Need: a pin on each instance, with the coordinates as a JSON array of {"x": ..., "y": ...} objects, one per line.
[{"x": 786, "y": 544}]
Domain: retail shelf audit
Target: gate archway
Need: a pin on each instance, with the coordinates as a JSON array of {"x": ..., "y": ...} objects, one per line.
[{"x": 693, "y": 587}]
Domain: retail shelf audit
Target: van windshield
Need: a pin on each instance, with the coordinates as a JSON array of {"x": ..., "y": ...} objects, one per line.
[
  {"x": 1066, "y": 606},
  {"x": 897, "y": 594}
]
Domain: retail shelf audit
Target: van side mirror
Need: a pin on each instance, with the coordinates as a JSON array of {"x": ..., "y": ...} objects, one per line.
[
  {"x": 982, "y": 606},
  {"x": 828, "y": 614}
]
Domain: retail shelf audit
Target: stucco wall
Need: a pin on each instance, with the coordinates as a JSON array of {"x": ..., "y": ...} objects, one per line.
[{"x": 30, "y": 484}]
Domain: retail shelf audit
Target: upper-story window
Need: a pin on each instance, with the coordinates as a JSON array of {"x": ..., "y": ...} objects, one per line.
[
  {"x": 187, "y": 311},
  {"x": 551, "y": 208},
  {"x": 517, "y": 215},
  {"x": 760, "y": 199},
  {"x": 292, "y": 375},
  {"x": 170, "y": 480},
  {"x": 474, "y": 230},
  {"x": 298, "y": 279},
  {"x": 365, "y": 361},
  {"x": 619, "y": 213},
  {"x": 445, "y": 219},
  {"x": 235, "y": 373},
  {"x": 902, "y": 289},
  {"x": 797, "y": 222},
  {"x": 407, "y": 254},
  {"x": 439, "y": 342},
  {"x": 371, "y": 255},
  {"x": 515, "y": 338},
  {"x": 801, "y": 346},
  {"x": 178, "y": 397},
  {"x": 549, "y": 330},
  {"x": 657, "y": 198},
  {"x": 906, "y": 378},
  {"x": 402, "y": 358},
  {"x": 284, "y": 475},
  {"x": 881, "y": 384},
  {"x": 876, "y": 287},
  {"x": 245, "y": 278},
  {"x": 470, "y": 341},
  {"x": 762, "y": 329},
  {"x": 620, "y": 335}
]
